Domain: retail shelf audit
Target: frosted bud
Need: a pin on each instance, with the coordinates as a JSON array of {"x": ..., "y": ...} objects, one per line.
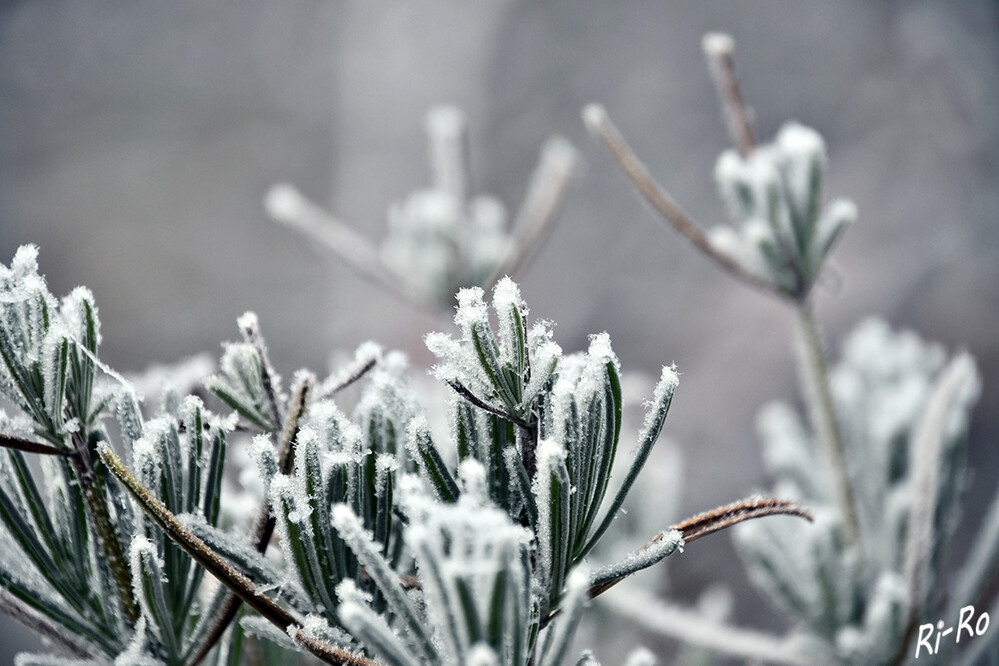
[
  {"x": 284, "y": 203},
  {"x": 718, "y": 44}
]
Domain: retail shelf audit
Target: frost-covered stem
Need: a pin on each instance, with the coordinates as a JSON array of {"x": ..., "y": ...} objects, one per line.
[
  {"x": 337, "y": 383},
  {"x": 97, "y": 503},
  {"x": 447, "y": 130},
  {"x": 814, "y": 377},
  {"x": 704, "y": 524},
  {"x": 287, "y": 205},
  {"x": 690, "y": 627},
  {"x": 599, "y": 124},
  {"x": 264, "y": 529},
  {"x": 545, "y": 197},
  {"x": 15, "y": 608},
  {"x": 718, "y": 48}
]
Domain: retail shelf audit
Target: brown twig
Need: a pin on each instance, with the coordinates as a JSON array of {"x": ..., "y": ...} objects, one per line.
[
  {"x": 264, "y": 529},
  {"x": 336, "y": 383},
  {"x": 716, "y": 520},
  {"x": 726, "y": 516},
  {"x": 29, "y": 446},
  {"x": 718, "y": 48},
  {"x": 464, "y": 392},
  {"x": 599, "y": 123}
]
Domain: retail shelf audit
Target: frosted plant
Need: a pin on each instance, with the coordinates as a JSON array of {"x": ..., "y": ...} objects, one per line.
[
  {"x": 774, "y": 195},
  {"x": 64, "y": 569},
  {"x": 889, "y": 424},
  {"x": 365, "y": 576},
  {"x": 905, "y": 420},
  {"x": 442, "y": 238}
]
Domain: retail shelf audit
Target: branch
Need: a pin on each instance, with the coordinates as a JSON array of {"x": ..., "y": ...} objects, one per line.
[
  {"x": 265, "y": 521},
  {"x": 718, "y": 48},
  {"x": 28, "y": 446},
  {"x": 464, "y": 392},
  {"x": 544, "y": 200},
  {"x": 599, "y": 124},
  {"x": 338, "y": 382},
  {"x": 286, "y": 205},
  {"x": 17, "y": 609},
  {"x": 702, "y": 525},
  {"x": 814, "y": 377}
]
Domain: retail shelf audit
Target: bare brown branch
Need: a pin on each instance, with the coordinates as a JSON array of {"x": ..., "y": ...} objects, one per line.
[
  {"x": 718, "y": 48},
  {"x": 29, "y": 446},
  {"x": 599, "y": 123}
]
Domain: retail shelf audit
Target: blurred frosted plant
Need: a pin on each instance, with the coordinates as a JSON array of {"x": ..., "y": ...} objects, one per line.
[
  {"x": 774, "y": 196},
  {"x": 889, "y": 422},
  {"x": 886, "y": 389},
  {"x": 442, "y": 238},
  {"x": 782, "y": 236}
]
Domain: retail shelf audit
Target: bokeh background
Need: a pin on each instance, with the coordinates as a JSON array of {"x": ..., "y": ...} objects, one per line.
[{"x": 138, "y": 139}]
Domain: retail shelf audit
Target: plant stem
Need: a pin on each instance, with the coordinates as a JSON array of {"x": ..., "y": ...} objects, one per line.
[
  {"x": 29, "y": 446},
  {"x": 264, "y": 528},
  {"x": 710, "y": 522},
  {"x": 96, "y": 500},
  {"x": 599, "y": 123},
  {"x": 814, "y": 377},
  {"x": 718, "y": 48}
]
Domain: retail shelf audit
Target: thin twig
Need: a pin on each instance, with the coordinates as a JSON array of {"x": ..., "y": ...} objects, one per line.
[
  {"x": 726, "y": 516},
  {"x": 718, "y": 48},
  {"x": 447, "y": 132},
  {"x": 485, "y": 406},
  {"x": 324, "y": 650},
  {"x": 264, "y": 528},
  {"x": 338, "y": 382},
  {"x": 544, "y": 200},
  {"x": 693, "y": 628},
  {"x": 716, "y": 520},
  {"x": 213, "y": 562},
  {"x": 17, "y": 609},
  {"x": 287, "y": 205},
  {"x": 29, "y": 446},
  {"x": 814, "y": 378},
  {"x": 600, "y": 125}
]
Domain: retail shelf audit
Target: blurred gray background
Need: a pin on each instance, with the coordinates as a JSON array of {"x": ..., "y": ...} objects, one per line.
[{"x": 137, "y": 140}]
